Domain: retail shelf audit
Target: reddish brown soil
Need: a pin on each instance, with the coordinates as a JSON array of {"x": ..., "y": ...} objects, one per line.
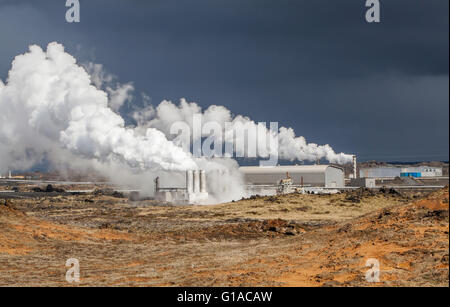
[{"x": 241, "y": 244}]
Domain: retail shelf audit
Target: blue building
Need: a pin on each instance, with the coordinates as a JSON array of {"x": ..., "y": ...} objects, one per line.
[{"x": 411, "y": 174}]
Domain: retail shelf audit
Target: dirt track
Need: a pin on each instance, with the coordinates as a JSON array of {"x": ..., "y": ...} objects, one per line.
[{"x": 292, "y": 240}]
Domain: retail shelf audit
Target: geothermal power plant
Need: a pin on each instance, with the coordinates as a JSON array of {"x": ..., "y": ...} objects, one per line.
[
  {"x": 201, "y": 186},
  {"x": 314, "y": 179},
  {"x": 256, "y": 181},
  {"x": 327, "y": 176},
  {"x": 193, "y": 192}
]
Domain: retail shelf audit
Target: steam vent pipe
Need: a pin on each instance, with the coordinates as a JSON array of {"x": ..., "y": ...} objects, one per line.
[
  {"x": 202, "y": 182},
  {"x": 355, "y": 172},
  {"x": 157, "y": 184},
  {"x": 196, "y": 181},
  {"x": 189, "y": 181}
]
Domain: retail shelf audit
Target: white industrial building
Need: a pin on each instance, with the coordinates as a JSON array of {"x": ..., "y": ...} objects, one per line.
[
  {"x": 422, "y": 171},
  {"x": 392, "y": 172},
  {"x": 193, "y": 193},
  {"x": 380, "y": 172},
  {"x": 328, "y": 176}
]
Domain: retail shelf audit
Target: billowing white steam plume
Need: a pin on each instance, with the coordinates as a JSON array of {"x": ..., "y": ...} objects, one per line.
[
  {"x": 51, "y": 108},
  {"x": 49, "y": 98},
  {"x": 289, "y": 147}
]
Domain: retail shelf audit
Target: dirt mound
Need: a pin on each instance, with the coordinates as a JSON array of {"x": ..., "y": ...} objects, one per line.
[
  {"x": 48, "y": 189},
  {"x": 436, "y": 201},
  {"x": 355, "y": 196},
  {"x": 281, "y": 227},
  {"x": 107, "y": 192}
]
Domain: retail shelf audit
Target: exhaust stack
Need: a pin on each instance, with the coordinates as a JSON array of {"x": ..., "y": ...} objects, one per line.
[
  {"x": 196, "y": 182},
  {"x": 202, "y": 181},
  {"x": 355, "y": 173},
  {"x": 194, "y": 193},
  {"x": 190, "y": 182},
  {"x": 196, "y": 187}
]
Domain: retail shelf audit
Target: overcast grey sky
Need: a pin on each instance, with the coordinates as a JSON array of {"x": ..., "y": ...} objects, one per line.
[{"x": 378, "y": 90}]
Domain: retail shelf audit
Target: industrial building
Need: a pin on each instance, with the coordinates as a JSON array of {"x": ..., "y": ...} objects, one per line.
[
  {"x": 363, "y": 182},
  {"x": 421, "y": 171},
  {"x": 193, "y": 193},
  {"x": 328, "y": 176},
  {"x": 392, "y": 172},
  {"x": 380, "y": 172}
]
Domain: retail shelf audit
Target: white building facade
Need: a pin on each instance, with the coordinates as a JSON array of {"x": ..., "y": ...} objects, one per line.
[{"x": 328, "y": 176}]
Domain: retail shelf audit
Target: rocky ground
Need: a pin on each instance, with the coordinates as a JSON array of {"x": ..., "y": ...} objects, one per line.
[{"x": 290, "y": 240}]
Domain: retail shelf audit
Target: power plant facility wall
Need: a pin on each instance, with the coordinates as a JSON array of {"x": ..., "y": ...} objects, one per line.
[
  {"x": 328, "y": 176},
  {"x": 380, "y": 172}
]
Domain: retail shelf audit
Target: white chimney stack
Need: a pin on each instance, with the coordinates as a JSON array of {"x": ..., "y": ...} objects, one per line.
[
  {"x": 355, "y": 173},
  {"x": 202, "y": 181},
  {"x": 196, "y": 181},
  {"x": 189, "y": 182},
  {"x": 196, "y": 187}
]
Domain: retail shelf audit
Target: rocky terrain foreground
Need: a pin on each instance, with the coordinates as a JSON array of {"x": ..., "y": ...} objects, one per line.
[{"x": 290, "y": 240}]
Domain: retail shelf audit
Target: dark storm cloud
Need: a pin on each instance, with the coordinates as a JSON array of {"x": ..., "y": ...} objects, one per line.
[{"x": 378, "y": 90}]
